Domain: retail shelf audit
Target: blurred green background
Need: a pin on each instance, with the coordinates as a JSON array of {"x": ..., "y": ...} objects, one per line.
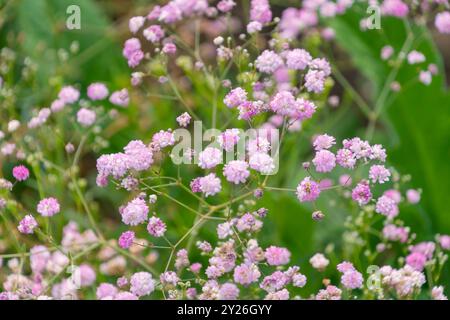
[{"x": 414, "y": 126}]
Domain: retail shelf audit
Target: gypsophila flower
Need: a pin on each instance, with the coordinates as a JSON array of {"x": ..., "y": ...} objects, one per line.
[
  {"x": 442, "y": 22},
  {"x": 21, "y": 173},
  {"x": 308, "y": 190},
  {"x": 276, "y": 256},
  {"x": 235, "y": 97},
  {"x": 156, "y": 227},
  {"x": 236, "y": 171},
  {"x": 184, "y": 119},
  {"x": 268, "y": 61},
  {"x": 182, "y": 259},
  {"x": 142, "y": 284},
  {"x": 209, "y": 185},
  {"x": 228, "y": 139},
  {"x": 416, "y": 260},
  {"x": 69, "y": 94},
  {"x": 298, "y": 59},
  {"x": 48, "y": 207},
  {"x": 126, "y": 239},
  {"x": 86, "y": 117},
  {"x": 27, "y": 224},
  {"x": 415, "y": 57},
  {"x": 135, "y": 212},
  {"x": 352, "y": 279},
  {"x": 323, "y": 141},
  {"x": 413, "y": 196},
  {"x": 135, "y": 23},
  {"x": 262, "y": 163},
  {"x": 437, "y": 293},
  {"x": 319, "y": 261},
  {"x": 246, "y": 274},
  {"x": 106, "y": 291},
  {"x": 379, "y": 173},
  {"x": 169, "y": 278},
  {"x": 228, "y": 291},
  {"x": 120, "y": 98},
  {"x": 361, "y": 193},
  {"x": 97, "y": 91},
  {"x": 324, "y": 161},
  {"x": 387, "y": 207},
  {"x": 209, "y": 158}
]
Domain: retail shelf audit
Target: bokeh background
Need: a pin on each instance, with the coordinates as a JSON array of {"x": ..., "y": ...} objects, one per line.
[{"x": 414, "y": 126}]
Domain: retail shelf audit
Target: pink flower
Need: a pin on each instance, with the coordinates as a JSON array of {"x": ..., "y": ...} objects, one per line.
[
  {"x": 225, "y": 5},
  {"x": 324, "y": 161},
  {"x": 323, "y": 141},
  {"x": 260, "y": 11},
  {"x": 283, "y": 103},
  {"x": 120, "y": 98},
  {"x": 236, "y": 171},
  {"x": 277, "y": 256},
  {"x": 156, "y": 227},
  {"x": 442, "y": 22},
  {"x": 48, "y": 207},
  {"x": 387, "y": 207},
  {"x": 135, "y": 212},
  {"x": 228, "y": 139},
  {"x": 209, "y": 158},
  {"x": 106, "y": 291},
  {"x": 444, "y": 241},
  {"x": 415, "y": 57},
  {"x": 394, "y": 8},
  {"x": 361, "y": 193},
  {"x": 268, "y": 62},
  {"x": 154, "y": 33},
  {"x": 97, "y": 91},
  {"x": 386, "y": 52},
  {"x": 246, "y": 274},
  {"x": 27, "y": 224},
  {"x": 416, "y": 260},
  {"x": 345, "y": 266},
  {"x": 379, "y": 173},
  {"x": 315, "y": 81},
  {"x": 142, "y": 284},
  {"x": 228, "y": 291},
  {"x": 126, "y": 239},
  {"x": 135, "y": 23},
  {"x": 86, "y": 117},
  {"x": 235, "y": 97},
  {"x": 262, "y": 162},
  {"x": 352, "y": 279},
  {"x": 21, "y": 173},
  {"x": 209, "y": 185},
  {"x": 184, "y": 119},
  {"x": 413, "y": 196},
  {"x": 319, "y": 261},
  {"x": 308, "y": 190},
  {"x": 69, "y": 94},
  {"x": 298, "y": 59}
]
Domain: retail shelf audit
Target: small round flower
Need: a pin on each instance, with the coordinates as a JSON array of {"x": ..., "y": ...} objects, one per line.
[
  {"x": 345, "y": 266},
  {"x": 154, "y": 33},
  {"x": 444, "y": 242},
  {"x": 386, "y": 52},
  {"x": 209, "y": 185},
  {"x": 97, "y": 91},
  {"x": 156, "y": 227},
  {"x": 169, "y": 278},
  {"x": 184, "y": 119},
  {"x": 235, "y": 97},
  {"x": 246, "y": 274},
  {"x": 142, "y": 284},
  {"x": 86, "y": 117},
  {"x": 226, "y": 5},
  {"x": 323, "y": 141},
  {"x": 209, "y": 158},
  {"x": 413, "y": 196},
  {"x": 106, "y": 291},
  {"x": 437, "y": 293},
  {"x": 125, "y": 295},
  {"x": 228, "y": 139},
  {"x": 135, "y": 23},
  {"x": 169, "y": 48},
  {"x": 379, "y": 173},
  {"x": 319, "y": 261},
  {"x": 442, "y": 22},
  {"x": 120, "y": 98},
  {"x": 308, "y": 190},
  {"x": 299, "y": 280},
  {"x": 315, "y": 81},
  {"x": 361, "y": 193},
  {"x": 283, "y": 103},
  {"x": 262, "y": 163},
  {"x": 425, "y": 77},
  {"x": 416, "y": 260},
  {"x": 126, "y": 239},
  {"x": 48, "y": 207},
  {"x": 346, "y": 158},
  {"x": 254, "y": 26},
  {"x": 69, "y": 94},
  {"x": 387, "y": 207},
  {"x": 324, "y": 161},
  {"x": 21, "y": 173},
  {"x": 27, "y": 225},
  {"x": 415, "y": 57},
  {"x": 135, "y": 212},
  {"x": 298, "y": 59},
  {"x": 268, "y": 61},
  {"x": 140, "y": 157},
  {"x": 277, "y": 256},
  {"x": 352, "y": 279},
  {"x": 228, "y": 291},
  {"x": 236, "y": 171},
  {"x": 87, "y": 275}
]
